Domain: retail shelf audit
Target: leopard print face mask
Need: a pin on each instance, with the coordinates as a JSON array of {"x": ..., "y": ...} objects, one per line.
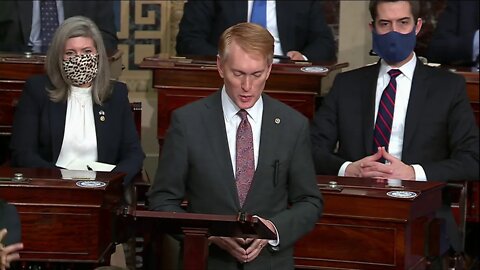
[{"x": 81, "y": 69}]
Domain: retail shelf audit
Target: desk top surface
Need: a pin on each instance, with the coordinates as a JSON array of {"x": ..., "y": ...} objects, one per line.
[
  {"x": 208, "y": 63},
  {"x": 52, "y": 178},
  {"x": 378, "y": 188}
]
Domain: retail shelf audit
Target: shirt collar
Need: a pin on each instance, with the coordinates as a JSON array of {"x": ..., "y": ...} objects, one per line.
[
  {"x": 407, "y": 69},
  {"x": 82, "y": 93},
  {"x": 230, "y": 109}
]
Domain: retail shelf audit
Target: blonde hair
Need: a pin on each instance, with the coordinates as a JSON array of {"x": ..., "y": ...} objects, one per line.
[
  {"x": 251, "y": 37},
  {"x": 77, "y": 26}
]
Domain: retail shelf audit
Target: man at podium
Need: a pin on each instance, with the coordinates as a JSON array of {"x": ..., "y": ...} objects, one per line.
[{"x": 239, "y": 150}]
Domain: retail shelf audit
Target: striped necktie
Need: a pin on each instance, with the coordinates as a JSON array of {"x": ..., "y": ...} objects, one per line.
[
  {"x": 245, "y": 164},
  {"x": 386, "y": 107}
]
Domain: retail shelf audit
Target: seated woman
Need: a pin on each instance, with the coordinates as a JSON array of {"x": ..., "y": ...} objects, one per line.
[{"x": 75, "y": 115}]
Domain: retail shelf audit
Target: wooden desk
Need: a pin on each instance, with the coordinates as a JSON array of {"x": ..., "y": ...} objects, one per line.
[
  {"x": 181, "y": 81},
  {"x": 62, "y": 222},
  {"x": 363, "y": 228},
  {"x": 14, "y": 71}
]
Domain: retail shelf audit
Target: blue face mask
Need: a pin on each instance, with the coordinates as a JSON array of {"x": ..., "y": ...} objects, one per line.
[{"x": 394, "y": 47}]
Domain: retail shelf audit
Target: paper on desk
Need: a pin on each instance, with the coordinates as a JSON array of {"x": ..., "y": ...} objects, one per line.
[
  {"x": 90, "y": 165},
  {"x": 101, "y": 167},
  {"x": 78, "y": 175}
]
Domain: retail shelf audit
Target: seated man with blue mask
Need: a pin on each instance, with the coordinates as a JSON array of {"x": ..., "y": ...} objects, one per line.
[{"x": 398, "y": 119}]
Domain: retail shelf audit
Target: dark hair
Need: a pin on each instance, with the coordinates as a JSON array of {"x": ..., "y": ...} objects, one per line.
[{"x": 414, "y": 8}]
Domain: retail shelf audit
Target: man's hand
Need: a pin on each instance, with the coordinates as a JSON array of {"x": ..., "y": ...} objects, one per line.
[
  {"x": 234, "y": 246},
  {"x": 244, "y": 250},
  {"x": 394, "y": 169},
  {"x": 354, "y": 169},
  {"x": 255, "y": 248},
  {"x": 295, "y": 55},
  {"x": 8, "y": 253}
]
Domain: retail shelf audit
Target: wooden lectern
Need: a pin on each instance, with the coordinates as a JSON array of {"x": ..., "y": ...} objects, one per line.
[
  {"x": 62, "y": 220},
  {"x": 196, "y": 229}
]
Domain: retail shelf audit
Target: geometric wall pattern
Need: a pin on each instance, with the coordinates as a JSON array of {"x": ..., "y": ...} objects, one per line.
[{"x": 144, "y": 30}]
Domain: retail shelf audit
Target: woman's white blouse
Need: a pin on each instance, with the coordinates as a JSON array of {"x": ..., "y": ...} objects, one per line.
[{"x": 79, "y": 139}]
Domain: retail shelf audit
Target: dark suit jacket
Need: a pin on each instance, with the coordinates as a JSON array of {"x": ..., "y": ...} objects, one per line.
[
  {"x": 301, "y": 27},
  {"x": 10, "y": 220},
  {"x": 195, "y": 160},
  {"x": 452, "y": 41},
  {"x": 440, "y": 130},
  {"x": 39, "y": 124},
  {"x": 16, "y": 21}
]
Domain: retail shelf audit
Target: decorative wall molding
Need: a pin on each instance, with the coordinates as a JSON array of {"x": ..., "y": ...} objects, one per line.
[{"x": 144, "y": 31}]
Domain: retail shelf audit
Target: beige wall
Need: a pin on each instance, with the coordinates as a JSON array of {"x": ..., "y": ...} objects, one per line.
[
  {"x": 354, "y": 45},
  {"x": 355, "y": 40}
]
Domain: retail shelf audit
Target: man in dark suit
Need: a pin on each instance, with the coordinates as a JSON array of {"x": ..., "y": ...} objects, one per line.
[
  {"x": 298, "y": 27},
  {"x": 433, "y": 133},
  {"x": 455, "y": 40},
  {"x": 16, "y": 22},
  {"x": 203, "y": 158}
]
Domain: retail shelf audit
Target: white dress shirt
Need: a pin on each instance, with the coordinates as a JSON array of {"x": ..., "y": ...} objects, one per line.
[
  {"x": 271, "y": 24},
  {"x": 80, "y": 138},
  {"x": 404, "y": 85},
  {"x": 232, "y": 121}
]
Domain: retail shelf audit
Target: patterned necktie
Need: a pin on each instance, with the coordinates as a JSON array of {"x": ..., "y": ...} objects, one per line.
[
  {"x": 48, "y": 22},
  {"x": 383, "y": 124},
  {"x": 244, "y": 157},
  {"x": 259, "y": 13}
]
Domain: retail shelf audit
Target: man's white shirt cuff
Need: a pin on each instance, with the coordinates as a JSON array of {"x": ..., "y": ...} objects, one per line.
[
  {"x": 342, "y": 170},
  {"x": 419, "y": 173}
]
